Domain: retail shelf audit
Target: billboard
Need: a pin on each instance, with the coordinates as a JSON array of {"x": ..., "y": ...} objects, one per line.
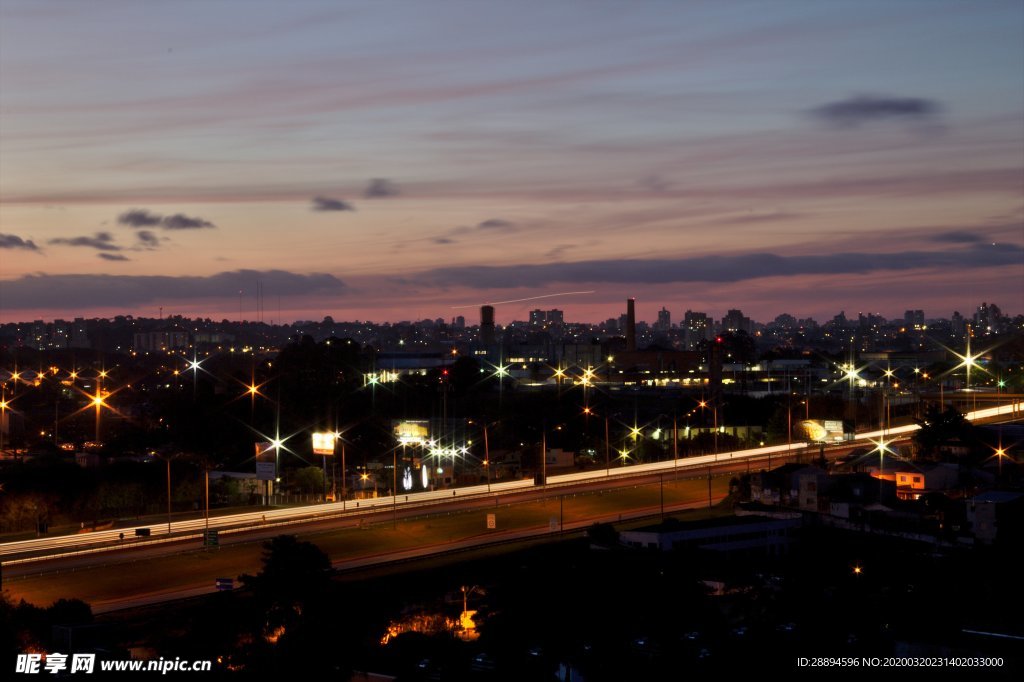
[
  {"x": 323, "y": 443},
  {"x": 412, "y": 431},
  {"x": 266, "y": 461},
  {"x": 823, "y": 431}
]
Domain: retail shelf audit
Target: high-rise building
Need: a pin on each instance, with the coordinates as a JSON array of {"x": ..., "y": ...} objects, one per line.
[
  {"x": 545, "y": 318},
  {"x": 487, "y": 325},
  {"x": 913, "y": 319},
  {"x": 631, "y": 324},
  {"x": 695, "y": 328},
  {"x": 664, "y": 320},
  {"x": 735, "y": 321}
]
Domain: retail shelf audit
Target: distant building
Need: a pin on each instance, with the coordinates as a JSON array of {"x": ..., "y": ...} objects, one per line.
[
  {"x": 734, "y": 535},
  {"x": 695, "y": 328},
  {"x": 546, "y": 318},
  {"x": 736, "y": 321},
  {"x": 997, "y": 516},
  {"x": 664, "y": 322},
  {"x": 487, "y": 325},
  {"x": 162, "y": 340},
  {"x": 914, "y": 319}
]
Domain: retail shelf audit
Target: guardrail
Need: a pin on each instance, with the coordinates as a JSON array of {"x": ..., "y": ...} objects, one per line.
[{"x": 111, "y": 540}]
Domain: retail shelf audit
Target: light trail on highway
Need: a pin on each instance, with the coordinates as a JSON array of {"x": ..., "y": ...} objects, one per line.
[{"x": 98, "y": 541}]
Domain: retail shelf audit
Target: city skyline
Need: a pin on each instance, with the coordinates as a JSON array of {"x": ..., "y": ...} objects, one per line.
[{"x": 396, "y": 162}]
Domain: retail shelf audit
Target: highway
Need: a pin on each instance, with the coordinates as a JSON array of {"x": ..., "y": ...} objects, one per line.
[{"x": 110, "y": 540}]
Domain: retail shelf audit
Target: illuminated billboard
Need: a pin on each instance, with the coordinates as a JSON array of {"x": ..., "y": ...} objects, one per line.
[
  {"x": 412, "y": 432},
  {"x": 266, "y": 461},
  {"x": 826, "y": 431},
  {"x": 323, "y": 443}
]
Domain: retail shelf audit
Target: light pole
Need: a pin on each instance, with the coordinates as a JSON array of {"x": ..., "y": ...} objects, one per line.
[
  {"x": 544, "y": 456},
  {"x": 487, "y": 458},
  {"x": 607, "y": 449},
  {"x": 343, "y": 494}
]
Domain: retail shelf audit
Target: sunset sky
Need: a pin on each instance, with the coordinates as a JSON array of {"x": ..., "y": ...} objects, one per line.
[{"x": 393, "y": 160}]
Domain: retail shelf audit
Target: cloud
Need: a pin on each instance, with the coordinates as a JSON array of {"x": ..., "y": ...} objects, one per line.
[
  {"x": 558, "y": 251},
  {"x": 180, "y": 221},
  {"x": 13, "y": 241},
  {"x": 138, "y": 217},
  {"x": 494, "y": 224},
  {"x": 443, "y": 240},
  {"x": 328, "y": 204},
  {"x": 855, "y": 111},
  {"x": 736, "y": 268},
  {"x": 957, "y": 237},
  {"x": 123, "y": 291},
  {"x": 759, "y": 218},
  {"x": 102, "y": 241},
  {"x": 148, "y": 239},
  {"x": 112, "y": 256},
  {"x": 381, "y": 187},
  {"x": 654, "y": 183}
]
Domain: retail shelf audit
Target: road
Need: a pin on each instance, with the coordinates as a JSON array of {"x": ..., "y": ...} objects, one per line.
[
  {"x": 120, "y": 575},
  {"x": 108, "y": 540}
]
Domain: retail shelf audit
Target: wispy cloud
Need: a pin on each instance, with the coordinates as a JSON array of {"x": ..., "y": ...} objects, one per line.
[
  {"x": 138, "y": 217},
  {"x": 722, "y": 268},
  {"x": 71, "y": 291},
  {"x": 328, "y": 204},
  {"x": 102, "y": 241},
  {"x": 776, "y": 216},
  {"x": 13, "y": 241},
  {"x": 957, "y": 237},
  {"x": 180, "y": 221},
  {"x": 381, "y": 187},
  {"x": 857, "y": 111},
  {"x": 148, "y": 239},
  {"x": 494, "y": 224},
  {"x": 112, "y": 256}
]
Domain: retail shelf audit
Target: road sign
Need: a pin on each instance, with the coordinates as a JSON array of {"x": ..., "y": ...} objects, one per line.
[
  {"x": 210, "y": 538},
  {"x": 492, "y": 521}
]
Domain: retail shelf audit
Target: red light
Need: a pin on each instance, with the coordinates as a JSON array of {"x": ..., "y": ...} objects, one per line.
[
  {"x": 444, "y": 372},
  {"x": 718, "y": 339}
]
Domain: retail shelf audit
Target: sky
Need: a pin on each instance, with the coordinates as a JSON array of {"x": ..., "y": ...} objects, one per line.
[{"x": 402, "y": 160}]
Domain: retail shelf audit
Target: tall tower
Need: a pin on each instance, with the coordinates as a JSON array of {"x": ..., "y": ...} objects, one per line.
[
  {"x": 630, "y": 324},
  {"x": 487, "y": 325}
]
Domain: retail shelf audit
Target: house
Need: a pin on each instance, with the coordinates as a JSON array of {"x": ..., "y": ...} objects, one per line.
[
  {"x": 913, "y": 481},
  {"x": 997, "y": 517},
  {"x": 731, "y": 535}
]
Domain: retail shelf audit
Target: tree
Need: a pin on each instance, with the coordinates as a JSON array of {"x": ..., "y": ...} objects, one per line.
[
  {"x": 310, "y": 479},
  {"x": 940, "y": 426}
]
